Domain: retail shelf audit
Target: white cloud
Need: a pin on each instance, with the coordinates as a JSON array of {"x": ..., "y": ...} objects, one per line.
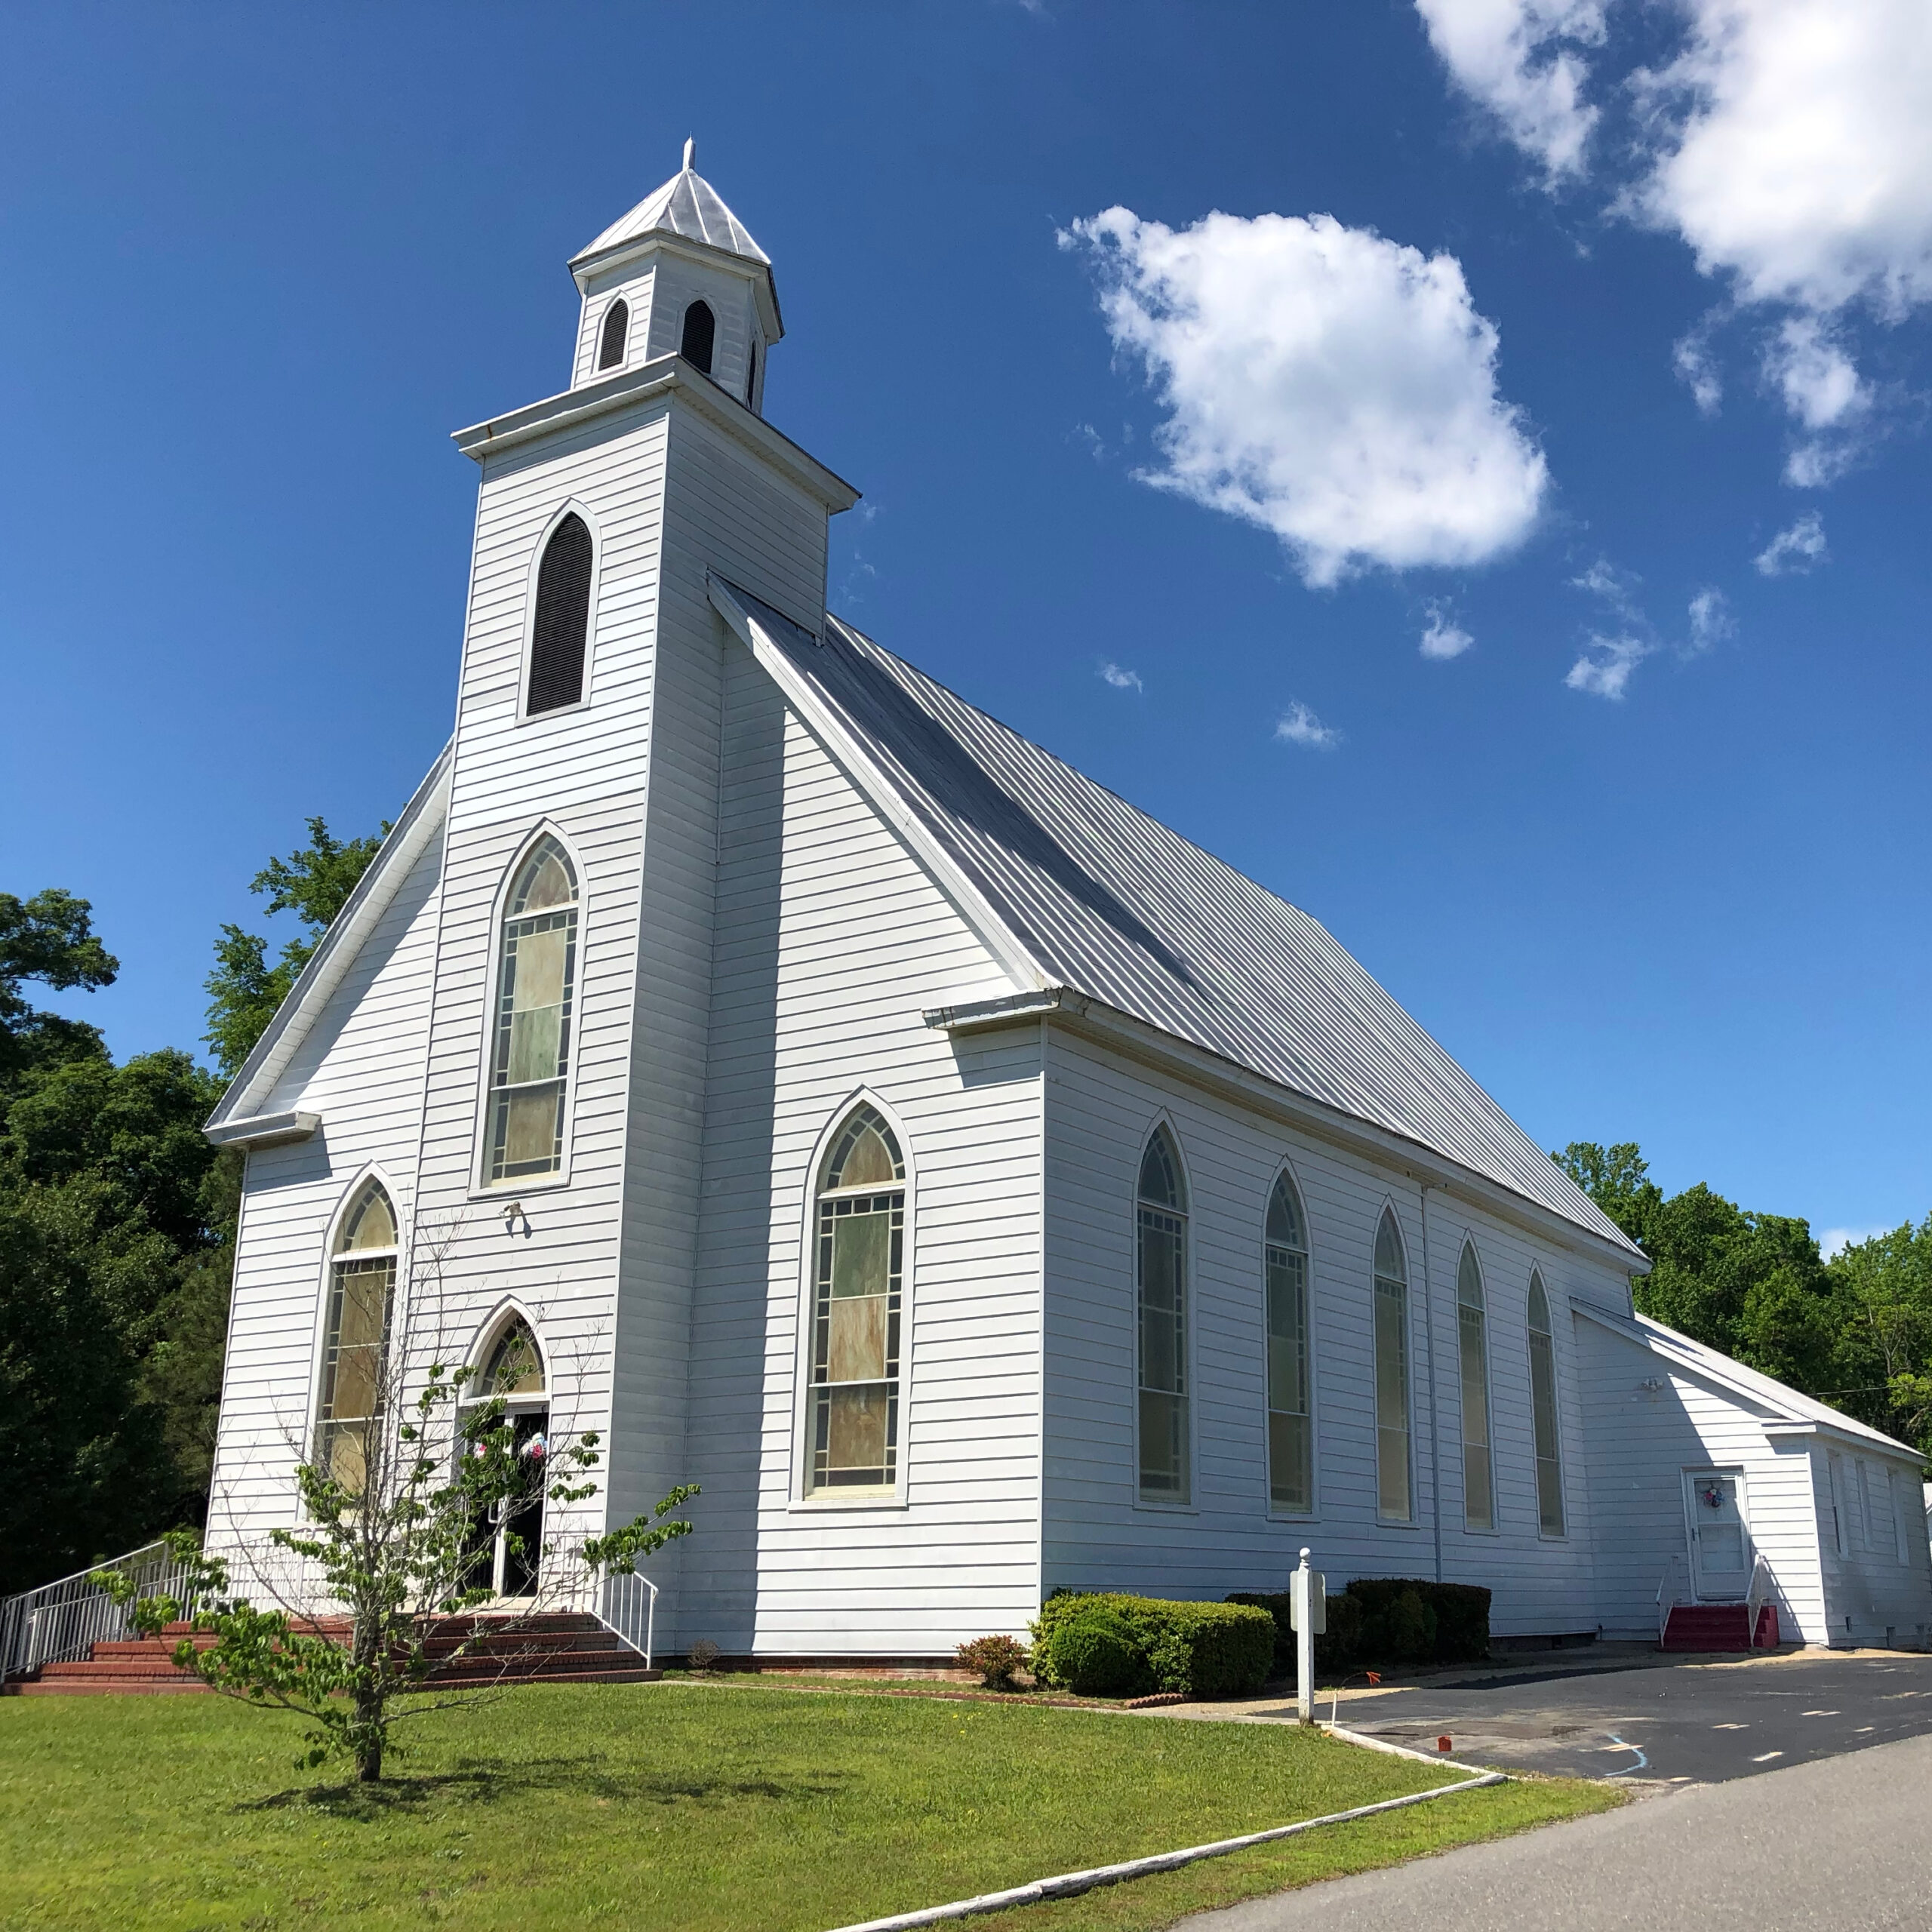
[
  {"x": 1334, "y": 387},
  {"x": 1606, "y": 673},
  {"x": 1520, "y": 59},
  {"x": 1444, "y": 638},
  {"x": 1298, "y": 725},
  {"x": 1618, "y": 589},
  {"x": 1836, "y": 1241},
  {"x": 1696, "y": 367},
  {"x": 1793, "y": 552},
  {"x": 1795, "y": 153},
  {"x": 1711, "y": 621},
  {"x": 1120, "y": 678}
]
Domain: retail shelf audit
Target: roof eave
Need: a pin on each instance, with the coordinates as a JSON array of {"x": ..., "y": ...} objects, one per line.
[
  {"x": 1082, "y": 1015},
  {"x": 628, "y": 387}
]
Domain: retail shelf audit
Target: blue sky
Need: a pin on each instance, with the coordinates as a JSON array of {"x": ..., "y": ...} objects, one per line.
[{"x": 1668, "y": 885}]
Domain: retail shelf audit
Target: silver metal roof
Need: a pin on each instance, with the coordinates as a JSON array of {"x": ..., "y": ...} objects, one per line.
[
  {"x": 687, "y": 204},
  {"x": 1116, "y": 906}
]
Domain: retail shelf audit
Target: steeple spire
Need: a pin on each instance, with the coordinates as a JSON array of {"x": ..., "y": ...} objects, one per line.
[{"x": 690, "y": 153}]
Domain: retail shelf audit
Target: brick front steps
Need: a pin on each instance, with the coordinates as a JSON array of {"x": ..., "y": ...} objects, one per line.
[
  {"x": 1720, "y": 1626},
  {"x": 559, "y": 1647}
]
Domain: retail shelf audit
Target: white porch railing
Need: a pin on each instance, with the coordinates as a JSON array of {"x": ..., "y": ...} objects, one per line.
[
  {"x": 61, "y": 1622},
  {"x": 1756, "y": 1597},
  {"x": 1670, "y": 1593},
  {"x": 628, "y": 1605}
]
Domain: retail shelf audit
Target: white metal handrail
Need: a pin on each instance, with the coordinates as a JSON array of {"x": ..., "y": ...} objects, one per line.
[
  {"x": 1754, "y": 1601},
  {"x": 628, "y": 1606},
  {"x": 61, "y": 1622},
  {"x": 1669, "y": 1595}
]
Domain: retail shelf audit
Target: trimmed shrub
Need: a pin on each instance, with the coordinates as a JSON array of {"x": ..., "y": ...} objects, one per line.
[
  {"x": 1200, "y": 1649},
  {"x": 1094, "y": 1653},
  {"x": 1387, "y": 1620},
  {"x": 994, "y": 1658}
]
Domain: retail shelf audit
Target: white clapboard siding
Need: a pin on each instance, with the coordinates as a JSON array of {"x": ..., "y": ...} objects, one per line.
[
  {"x": 830, "y": 943},
  {"x": 360, "y": 1066},
  {"x": 1100, "y": 1111},
  {"x": 633, "y": 282},
  {"x": 1876, "y": 1563}
]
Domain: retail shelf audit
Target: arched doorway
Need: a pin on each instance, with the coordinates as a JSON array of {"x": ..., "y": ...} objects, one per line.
[{"x": 508, "y": 1544}]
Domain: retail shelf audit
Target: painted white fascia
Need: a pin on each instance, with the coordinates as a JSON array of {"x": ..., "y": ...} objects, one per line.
[
  {"x": 629, "y": 387},
  {"x": 263, "y": 1130},
  {"x": 988, "y": 927},
  {"x": 1092, "y": 1019},
  {"x": 422, "y": 820}
]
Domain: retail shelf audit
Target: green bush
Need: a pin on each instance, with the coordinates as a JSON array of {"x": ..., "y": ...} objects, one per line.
[
  {"x": 1387, "y": 1620},
  {"x": 1200, "y": 1649}
]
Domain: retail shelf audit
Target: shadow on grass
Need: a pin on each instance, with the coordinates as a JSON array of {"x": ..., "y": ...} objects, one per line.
[{"x": 490, "y": 1784}]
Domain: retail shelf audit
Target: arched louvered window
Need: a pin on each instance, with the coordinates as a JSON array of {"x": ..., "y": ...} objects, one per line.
[
  {"x": 616, "y": 333},
  {"x": 1543, "y": 1404},
  {"x": 530, "y": 1058},
  {"x": 750, "y": 378},
  {"x": 560, "y": 630},
  {"x": 700, "y": 335},
  {"x": 1393, "y": 1500},
  {"x": 1161, "y": 1220},
  {"x": 356, "y": 1337},
  {"x": 1478, "y": 1473},
  {"x": 858, "y": 1290},
  {"x": 1290, "y": 1423}
]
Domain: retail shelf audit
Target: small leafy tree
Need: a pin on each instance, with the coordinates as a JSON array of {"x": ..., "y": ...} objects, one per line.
[{"x": 395, "y": 1528}]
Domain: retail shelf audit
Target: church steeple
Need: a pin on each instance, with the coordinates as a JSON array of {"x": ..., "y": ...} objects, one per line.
[{"x": 679, "y": 275}]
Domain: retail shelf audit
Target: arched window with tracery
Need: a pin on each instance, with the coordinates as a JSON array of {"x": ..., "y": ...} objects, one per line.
[
  {"x": 615, "y": 334},
  {"x": 1543, "y": 1404},
  {"x": 362, "y": 1301},
  {"x": 1160, "y": 1222},
  {"x": 1393, "y": 1500},
  {"x": 560, "y": 624},
  {"x": 1290, "y": 1419},
  {"x": 530, "y": 1058},
  {"x": 858, "y": 1294},
  {"x": 1472, "y": 1349},
  {"x": 699, "y": 336}
]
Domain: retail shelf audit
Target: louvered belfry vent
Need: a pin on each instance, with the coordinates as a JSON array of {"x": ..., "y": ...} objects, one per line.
[
  {"x": 700, "y": 335},
  {"x": 616, "y": 327},
  {"x": 563, "y": 618}
]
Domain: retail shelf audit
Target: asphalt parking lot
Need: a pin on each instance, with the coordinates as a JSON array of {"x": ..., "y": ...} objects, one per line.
[{"x": 1679, "y": 1722}]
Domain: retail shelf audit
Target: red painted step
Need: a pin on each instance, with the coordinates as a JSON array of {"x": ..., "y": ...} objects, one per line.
[
  {"x": 1720, "y": 1626},
  {"x": 556, "y": 1648}
]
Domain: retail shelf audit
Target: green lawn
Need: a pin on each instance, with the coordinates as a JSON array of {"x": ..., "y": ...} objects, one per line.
[{"x": 726, "y": 1808}]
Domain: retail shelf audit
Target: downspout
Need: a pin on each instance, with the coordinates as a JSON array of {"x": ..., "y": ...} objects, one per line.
[{"x": 1435, "y": 1439}]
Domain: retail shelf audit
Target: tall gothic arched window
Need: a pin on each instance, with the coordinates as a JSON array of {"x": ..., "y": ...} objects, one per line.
[
  {"x": 615, "y": 334},
  {"x": 1542, "y": 1404},
  {"x": 530, "y": 1058},
  {"x": 750, "y": 378},
  {"x": 700, "y": 335},
  {"x": 1290, "y": 1422},
  {"x": 1472, "y": 1348},
  {"x": 361, "y": 1300},
  {"x": 1394, "y": 1500},
  {"x": 1160, "y": 1221},
  {"x": 858, "y": 1274},
  {"x": 560, "y": 630}
]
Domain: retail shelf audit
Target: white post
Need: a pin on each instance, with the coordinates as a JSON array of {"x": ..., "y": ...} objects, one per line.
[{"x": 1307, "y": 1616}]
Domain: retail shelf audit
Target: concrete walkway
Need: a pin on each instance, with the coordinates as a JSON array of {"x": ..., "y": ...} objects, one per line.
[{"x": 1838, "y": 1844}]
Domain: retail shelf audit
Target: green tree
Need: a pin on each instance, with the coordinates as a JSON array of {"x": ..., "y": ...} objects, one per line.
[
  {"x": 1883, "y": 1360},
  {"x": 49, "y": 938},
  {"x": 314, "y": 884}
]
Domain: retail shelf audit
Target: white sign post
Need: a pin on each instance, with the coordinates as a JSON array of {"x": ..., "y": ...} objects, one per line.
[{"x": 1308, "y": 1618}]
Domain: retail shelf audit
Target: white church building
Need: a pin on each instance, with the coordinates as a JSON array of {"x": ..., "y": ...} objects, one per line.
[{"x": 974, "y": 1186}]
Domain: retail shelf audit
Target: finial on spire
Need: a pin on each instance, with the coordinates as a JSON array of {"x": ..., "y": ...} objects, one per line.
[{"x": 691, "y": 152}]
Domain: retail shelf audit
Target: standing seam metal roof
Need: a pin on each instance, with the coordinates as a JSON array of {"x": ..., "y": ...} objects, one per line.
[
  {"x": 687, "y": 204},
  {"x": 1115, "y": 905}
]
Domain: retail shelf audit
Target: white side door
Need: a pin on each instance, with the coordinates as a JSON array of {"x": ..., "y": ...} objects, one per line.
[{"x": 1720, "y": 1537}]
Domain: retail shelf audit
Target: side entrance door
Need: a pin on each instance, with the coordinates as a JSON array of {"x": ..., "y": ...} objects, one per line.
[{"x": 1720, "y": 1537}]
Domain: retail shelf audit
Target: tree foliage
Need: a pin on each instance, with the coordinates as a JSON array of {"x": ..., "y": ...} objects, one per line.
[
  {"x": 246, "y": 989},
  {"x": 1855, "y": 1331},
  {"x": 49, "y": 938}
]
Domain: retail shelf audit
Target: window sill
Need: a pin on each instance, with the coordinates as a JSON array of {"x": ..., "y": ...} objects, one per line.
[
  {"x": 1159, "y": 1508},
  {"x": 511, "y": 1190},
  {"x": 1295, "y": 1519},
  {"x": 1398, "y": 1523},
  {"x": 1470, "y": 1530},
  {"x": 555, "y": 711},
  {"x": 819, "y": 1506}
]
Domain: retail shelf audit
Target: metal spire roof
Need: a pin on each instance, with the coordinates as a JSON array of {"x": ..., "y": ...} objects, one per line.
[
  {"x": 687, "y": 204},
  {"x": 1114, "y": 905}
]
